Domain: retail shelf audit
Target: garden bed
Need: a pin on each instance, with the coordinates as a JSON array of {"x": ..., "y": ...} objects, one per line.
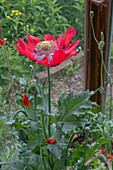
[{"x": 61, "y": 81}]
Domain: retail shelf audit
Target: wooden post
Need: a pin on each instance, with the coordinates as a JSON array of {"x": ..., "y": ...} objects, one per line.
[{"x": 101, "y": 22}]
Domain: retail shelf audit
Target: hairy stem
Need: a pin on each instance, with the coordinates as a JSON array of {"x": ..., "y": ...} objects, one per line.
[{"x": 49, "y": 100}]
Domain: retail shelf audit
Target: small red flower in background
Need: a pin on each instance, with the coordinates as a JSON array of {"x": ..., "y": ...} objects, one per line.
[
  {"x": 25, "y": 100},
  {"x": 29, "y": 126},
  {"x": 102, "y": 151},
  {"x": 1, "y": 42},
  {"x": 49, "y": 52},
  {"x": 109, "y": 156},
  {"x": 50, "y": 141}
]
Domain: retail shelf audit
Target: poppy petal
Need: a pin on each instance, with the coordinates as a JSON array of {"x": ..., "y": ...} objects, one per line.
[
  {"x": 72, "y": 47},
  {"x": 58, "y": 57},
  {"x": 102, "y": 151},
  {"x": 59, "y": 41},
  {"x": 25, "y": 101},
  {"x": 25, "y": 52},
  {"x": 50, "y": 141},
  {"x": 70, "y": 33},
  {"x": 32, "y": 41},
  {"x": 49, "y": 37}
]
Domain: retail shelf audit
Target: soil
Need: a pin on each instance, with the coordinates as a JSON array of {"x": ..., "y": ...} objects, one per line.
[{"x": 60, "y": 81}]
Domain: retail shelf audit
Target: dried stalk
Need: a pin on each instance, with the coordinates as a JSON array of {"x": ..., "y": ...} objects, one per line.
[{"x": 11, "y": 83}]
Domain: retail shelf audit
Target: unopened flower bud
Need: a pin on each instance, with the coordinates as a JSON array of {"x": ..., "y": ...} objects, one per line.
[
  {"x": 87, "y": 129},
  {"x": 102, "y": 158},
  {"x": 101, "y": 45},
  {"x": 32, "y": 84},
  {"x": 102, "y": 36},
  {"x": 91, "y": 14}
]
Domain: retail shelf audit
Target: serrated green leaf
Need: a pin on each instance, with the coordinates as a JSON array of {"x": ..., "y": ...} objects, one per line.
[
  {"x": 22, "y": 81},
  {"x": 73, "y": 105},
  {"x": 55, "y": 150}
]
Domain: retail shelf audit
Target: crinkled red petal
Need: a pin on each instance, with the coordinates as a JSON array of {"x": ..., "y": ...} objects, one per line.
[
  {"x": 59, "y": 41},
  {"x": 24, "y": 95},
  {"x": 49, "y": 37},
  {"x": 70, "y": 33},
  {"x": 32, "y": 41},
  {"x": 26, "y": 102},
  {"x": 72, "y": 47},
  {"x": 1, "y": 42},
  {"x": 50, "y": 141},
  {"x": 102, "y": 151},
  {"x": 25, "y": 52},
  {"x": 73, "y": 53}
]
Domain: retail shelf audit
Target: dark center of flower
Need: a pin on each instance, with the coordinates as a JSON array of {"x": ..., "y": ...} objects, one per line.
[{"x": 63, "y": 47}]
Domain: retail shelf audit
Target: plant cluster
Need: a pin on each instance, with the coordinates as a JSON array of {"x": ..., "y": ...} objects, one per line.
[
  {"x": 45, "y": 134},
  {"x": 36, "y": 18},
  {"x": 45, "y": 138},
  {"x": 40, "y": 17}
]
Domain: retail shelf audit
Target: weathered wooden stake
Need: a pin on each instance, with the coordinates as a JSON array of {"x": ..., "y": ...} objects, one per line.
[{"x": 101, "y": 21}]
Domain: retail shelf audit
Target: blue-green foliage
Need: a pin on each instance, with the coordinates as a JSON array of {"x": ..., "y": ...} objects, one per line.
[
  {"x": 37, "y": 18},
  {"x": 71, "y": 117},
  {"x": 43, "y": 17}
]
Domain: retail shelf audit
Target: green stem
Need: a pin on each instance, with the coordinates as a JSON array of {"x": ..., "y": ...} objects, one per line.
[
  {"x": 102, "y": 61},
  {"x": 42, "y": 160},
  {"x": 49, "y": 101},
  {"x": 110, "y": 117},
  {"x": 68, "y": 145},
  {"x": 43, "y": 127},
  {"x": 25, "y": 113},
  {"x": 93, "y": 32},
  {"x": 106, "y": 149},
  {"x": 110, "y": 149},
  {"x": 49, "y": 92},
  {"x": 3, "y": 141},
  {"x": 85, "y": 153},
  {"x": 49, "y": 116}
]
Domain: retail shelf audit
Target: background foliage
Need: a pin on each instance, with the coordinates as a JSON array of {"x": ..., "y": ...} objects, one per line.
[{"x": 36, "y": 18}]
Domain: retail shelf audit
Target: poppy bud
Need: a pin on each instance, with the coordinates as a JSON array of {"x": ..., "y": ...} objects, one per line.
[
  {"x": 101, "y": 45},
  {"x": 109, "y": 156},
  {"x": 102, "y": 36},
  {"x": 50, "y": 141},
  {"x": 102, "y": 158},
  {"x": 25, "y": 100},
  {"x": 102, "y": 151},
  {"x": 32, "y": 84},
  {"x": 91, "y": 14},
  {"x": 87, "y": 129}
]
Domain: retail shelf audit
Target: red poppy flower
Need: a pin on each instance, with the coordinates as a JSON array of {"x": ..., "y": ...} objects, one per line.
[
  {"x": 102, "y": 151},
  {"x": 25, "y": 100},
  {"x": 109, "y": 156},
  {"x": 1, "y": 42},
  {"x": 50, "y": 141},
  {"x": 49, "y": 52}
]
